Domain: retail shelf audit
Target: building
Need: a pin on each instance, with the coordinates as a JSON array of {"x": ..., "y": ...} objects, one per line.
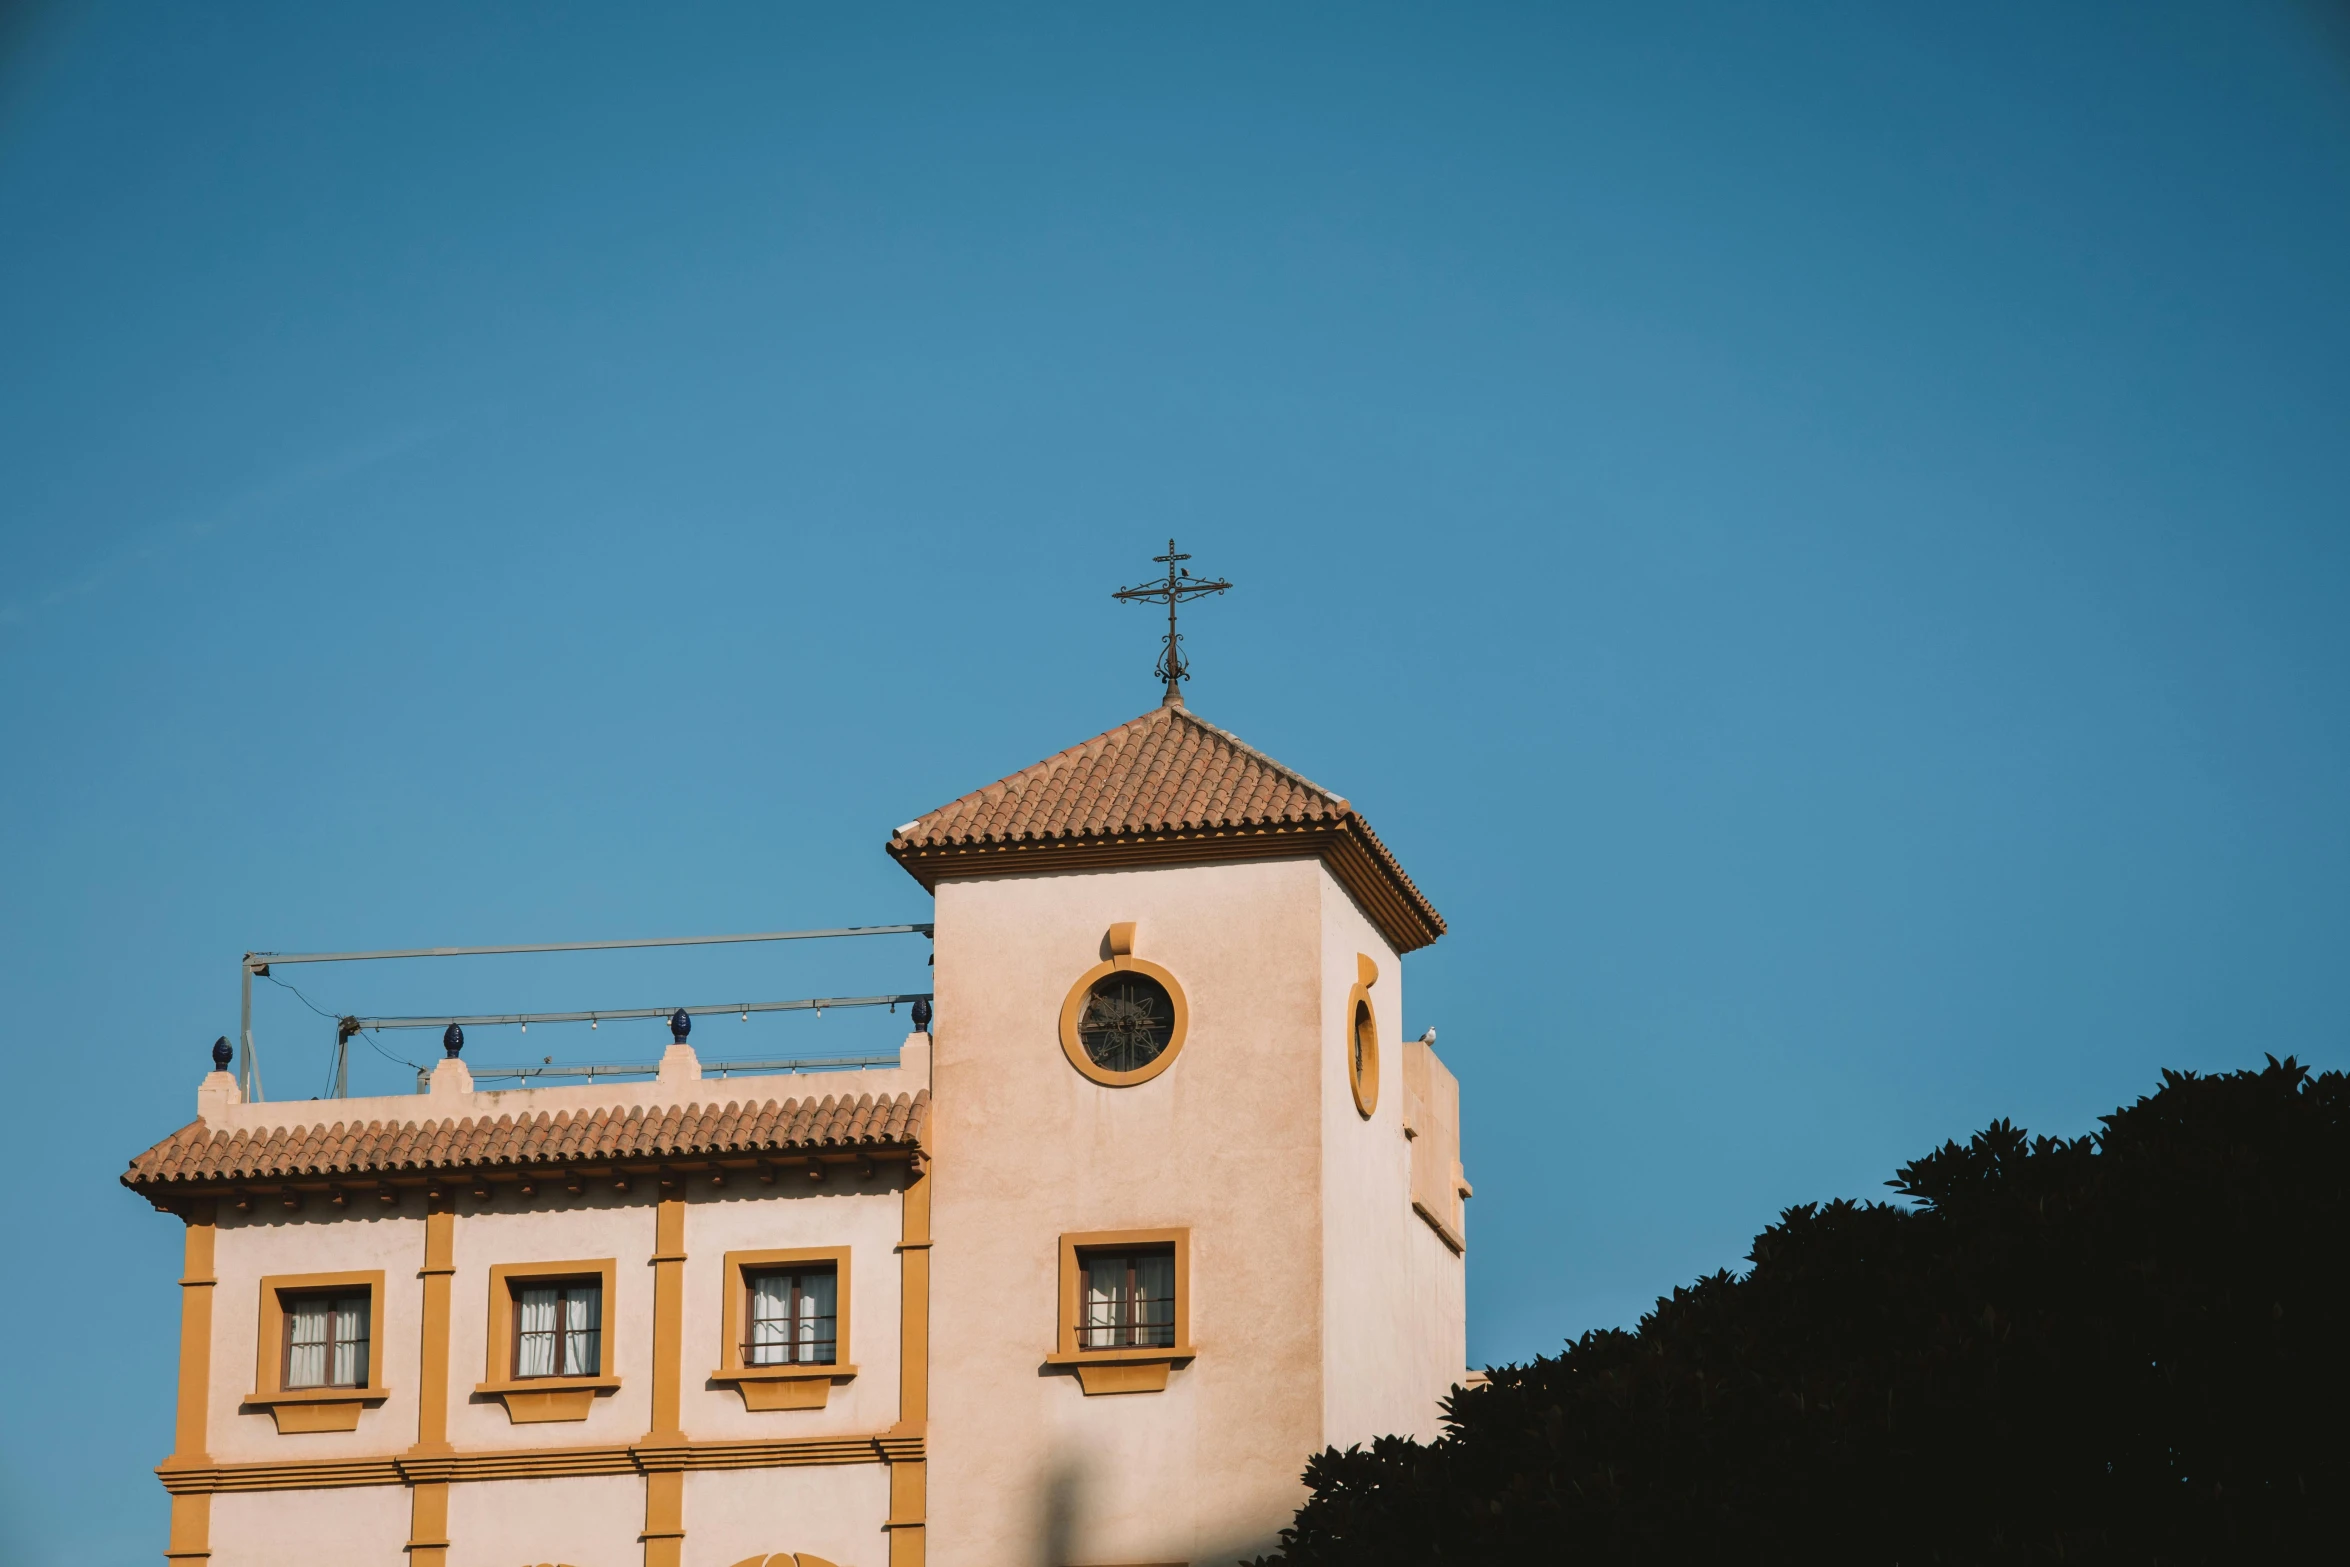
[{"x": 1161, "y": 1206}]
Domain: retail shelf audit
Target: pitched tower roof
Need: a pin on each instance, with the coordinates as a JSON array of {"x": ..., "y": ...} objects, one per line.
[{"x": 1168, "y": 788}]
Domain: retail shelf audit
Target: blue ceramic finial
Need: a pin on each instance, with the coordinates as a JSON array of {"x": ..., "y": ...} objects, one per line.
[
  {"x": 221, "y": 1054},
  {"x": 922, "y": 1016},
  {"x": 680, "y": 1025},
  {"x": 453, "y": 1040}
]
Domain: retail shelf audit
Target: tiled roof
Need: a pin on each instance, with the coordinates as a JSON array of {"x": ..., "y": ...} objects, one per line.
[
  {"x": 1165, "y": 787},
  {"x": 198, "y": 1155}
]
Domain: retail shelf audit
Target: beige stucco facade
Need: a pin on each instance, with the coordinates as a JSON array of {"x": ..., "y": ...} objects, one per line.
[{"x": 1322, "y": 1275}]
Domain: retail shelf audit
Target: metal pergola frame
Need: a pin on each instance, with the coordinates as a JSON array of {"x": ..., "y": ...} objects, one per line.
[{"x": 249, "y": 1061}]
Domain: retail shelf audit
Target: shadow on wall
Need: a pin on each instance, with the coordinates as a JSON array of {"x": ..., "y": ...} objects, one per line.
[{"x": 1061, "y": 1520}]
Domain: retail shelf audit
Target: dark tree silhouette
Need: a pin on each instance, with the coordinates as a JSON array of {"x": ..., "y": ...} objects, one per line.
[{"x": 2127, "y": 1347}]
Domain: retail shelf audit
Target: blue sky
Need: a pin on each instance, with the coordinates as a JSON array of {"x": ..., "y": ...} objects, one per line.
[{"x": 1818, "y": 538}]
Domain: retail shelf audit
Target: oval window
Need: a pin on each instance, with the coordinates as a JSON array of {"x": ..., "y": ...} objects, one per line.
[
  {"x": 1127, "y": 1022},
  {"x": 1362, "y": 1055}
]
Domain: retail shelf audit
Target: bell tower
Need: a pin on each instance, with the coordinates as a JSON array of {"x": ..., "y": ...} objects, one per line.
[{"x": 1196, "y": 1209}]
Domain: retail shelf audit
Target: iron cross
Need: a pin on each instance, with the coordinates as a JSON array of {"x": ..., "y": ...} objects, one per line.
[{"x": 1180, "y": 585}]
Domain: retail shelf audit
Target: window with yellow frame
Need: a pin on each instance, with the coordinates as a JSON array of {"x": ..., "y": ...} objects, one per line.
[
  {"x": 317, "y": 1362},
  {"x": 783, "y": 1336},
  {"x": 1125, "y": 1308},
  {"x": 550, "y": 1338}
]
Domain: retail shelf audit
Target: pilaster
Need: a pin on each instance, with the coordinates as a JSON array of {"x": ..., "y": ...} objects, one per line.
[
  {"x": 428, "y": 1512},
  {"x": 909, "y": 1478},
  {"x": 664, "y": 1536},
  {"x": 191, "y": 1515}
]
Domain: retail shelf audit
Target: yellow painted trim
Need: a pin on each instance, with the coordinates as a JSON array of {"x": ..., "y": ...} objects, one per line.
[
  {"x": 1366, "y": 971},
  {"x": 197, "y": 1283},
  {"x": 428, "y": 1523},
  {"x": 428, "y": 1502},
  {"x": 909, "y": 1476},
  {"x": 191, "y": 1528},
  {"x": 749, "y": 1380},
  {"x": 432, "y": 1374},
  {"x": 1125, "y": 1380},
  {"x": 538, "y": 1463},
  {"x": 1073, "y": 1007},
  {"x": 191, "y": 1516},
  {"x": 1362, "y": 1078},
  {"x": 1121, "y": 939},
  {"x": 664, "y": 1533},
  {"x": 314, "y": 1408},
  {"x": 1142, "y": 1376}
]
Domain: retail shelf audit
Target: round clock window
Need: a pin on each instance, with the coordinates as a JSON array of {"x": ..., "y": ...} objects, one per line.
[{"x": 1123, "y": 1022}]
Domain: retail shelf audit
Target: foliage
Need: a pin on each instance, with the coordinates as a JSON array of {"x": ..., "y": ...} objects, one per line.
[{"x": 2127, "y": 1347}]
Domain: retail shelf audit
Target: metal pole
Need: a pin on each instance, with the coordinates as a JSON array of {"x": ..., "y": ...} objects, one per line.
[
  {"x": 623, "y": 1014},
  {"x": 265, "y": 959},
  {"x": 248, "y": 1069},
  {"x": 342, "y": 1065}
]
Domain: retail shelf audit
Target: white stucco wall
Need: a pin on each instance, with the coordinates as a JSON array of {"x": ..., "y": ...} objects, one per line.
[
  {"x": 586, "y": 1522},
  {"x": 1224, "y": 1141},
  {"x": 319, "y": 1239},
  {"x": 1393, "y": 1345},
  {"x": 354, "y": 1526},
  {"x": 832, "y": 1511},
  {"x": 745, "y": 1216},
  {"x": 559, "y": 1228}
]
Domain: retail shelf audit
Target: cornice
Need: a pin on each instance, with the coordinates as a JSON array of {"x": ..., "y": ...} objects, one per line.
[
  {"x": 368, "y": 1191},
  {"x": 1345, "y": 844},
  {"x": 308, "y": 1474}
]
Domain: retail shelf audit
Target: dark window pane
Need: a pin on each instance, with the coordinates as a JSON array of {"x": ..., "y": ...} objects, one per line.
[{"x": 1127, "y": 1022}]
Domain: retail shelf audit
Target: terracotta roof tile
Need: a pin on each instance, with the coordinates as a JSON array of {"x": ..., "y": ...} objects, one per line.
[
  {"x": 1165, "y": 787},
  {"x": 196, "y": 1154}
]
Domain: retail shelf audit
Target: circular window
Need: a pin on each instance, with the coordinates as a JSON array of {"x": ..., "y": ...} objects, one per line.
[
  {"x": 1362, "y": 1051},
  {"x": 1126, "y": 1021},
  {"x": 1123, "y": 1022}
]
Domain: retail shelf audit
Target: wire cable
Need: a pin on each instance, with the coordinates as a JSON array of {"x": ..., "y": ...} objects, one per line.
[{"x": 336, "y": 1018}]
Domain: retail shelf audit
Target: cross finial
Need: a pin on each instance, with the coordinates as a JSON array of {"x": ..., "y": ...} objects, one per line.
[{"x": 1173, "y": 667}]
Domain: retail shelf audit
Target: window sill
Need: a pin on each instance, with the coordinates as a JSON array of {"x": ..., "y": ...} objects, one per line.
[
  {"x": 1122, "y": 1370},
  {"x": 784, "y": 1387},
  {"x": 306, "y": 1409},
  {"x": 530, "y": 1400}
]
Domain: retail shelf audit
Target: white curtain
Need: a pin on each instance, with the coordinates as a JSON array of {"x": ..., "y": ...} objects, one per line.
[
  {"x": 1154, "y": 1282},
  {"x": 306, "y": 1354},
  {"x": 583, "y": 1330},
  {"x": 348, "y": 1319},
  {"x": 1105, "y": 1294},
  {"x": 816, "y": 1336},
  {"x": 770, "y": 1319},
  {"x": 1129, "y": 1302},
  {"x": 535, "y": 1355}
]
